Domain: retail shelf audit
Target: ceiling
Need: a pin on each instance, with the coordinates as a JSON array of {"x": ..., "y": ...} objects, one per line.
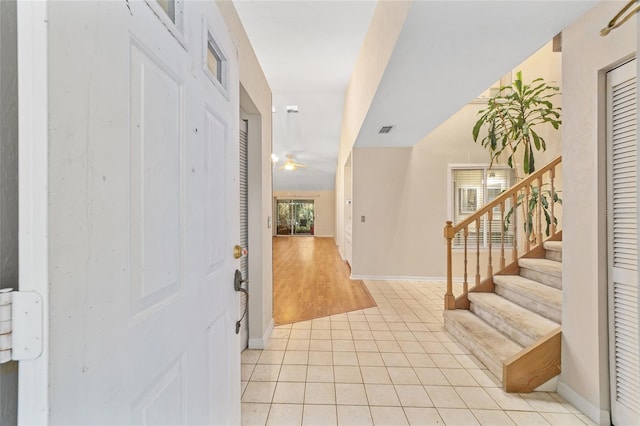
[
  {"x": 448, "y": 52},
  {"x": 307, "y": 50}
]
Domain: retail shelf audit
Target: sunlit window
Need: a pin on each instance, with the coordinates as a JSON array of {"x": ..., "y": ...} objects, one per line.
[{"x": 473, "y": 187}]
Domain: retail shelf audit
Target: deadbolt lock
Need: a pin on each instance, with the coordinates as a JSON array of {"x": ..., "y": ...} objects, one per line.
[{"x": 239, "y": 252}]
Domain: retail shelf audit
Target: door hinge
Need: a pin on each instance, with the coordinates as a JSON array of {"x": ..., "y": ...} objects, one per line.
[{"x": 20, "y": 325}]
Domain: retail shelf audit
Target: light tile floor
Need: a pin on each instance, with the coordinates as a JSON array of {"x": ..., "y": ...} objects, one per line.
[{"x": 390, "y": 365}]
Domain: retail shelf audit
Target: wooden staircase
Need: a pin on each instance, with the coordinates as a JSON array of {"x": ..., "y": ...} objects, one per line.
[
  {"x": 501, "y": 327},
  {"x": 511, "y": 319}
]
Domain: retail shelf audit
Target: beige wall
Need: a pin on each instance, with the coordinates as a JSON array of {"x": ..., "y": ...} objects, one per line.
[
  {"x": 587, "y": 55},
  {"x": 255, "y": 100},
  {"x": 386, "y": 24},
  {"x": 403, "y": 193},
  {"x": 324, "y": 208}
]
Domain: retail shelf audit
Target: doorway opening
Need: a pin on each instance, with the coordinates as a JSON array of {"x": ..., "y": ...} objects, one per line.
[{"x": 295, "y": 217}]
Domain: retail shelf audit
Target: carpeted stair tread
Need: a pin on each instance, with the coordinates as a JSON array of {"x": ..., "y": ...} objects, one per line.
[
  {"x": 545, "y": 271},
  {"x": 519, "y": 324},
  {"x": 552, "y": 245},
  {"x": 488, "y": 345},
  {"x": 539, "y": 298},
  {"x": 553, "y": 250},
  {"x": 544, "y": 266}
]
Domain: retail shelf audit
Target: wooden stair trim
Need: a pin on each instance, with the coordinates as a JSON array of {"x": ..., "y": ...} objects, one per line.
[
  {"x": 536, "y": 252},
  {"x": 534, "y": 365},
  {"x": 486, "y": 286},
  {"x": 556, "y": 237}
]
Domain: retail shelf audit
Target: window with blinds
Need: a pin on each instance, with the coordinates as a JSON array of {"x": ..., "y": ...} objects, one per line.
[{"x": 473, "y": 187}]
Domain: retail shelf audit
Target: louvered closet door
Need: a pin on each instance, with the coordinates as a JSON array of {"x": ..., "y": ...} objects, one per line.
[
  {"x": 244, "y": 227},
  {"x": 623, "y": 244}
]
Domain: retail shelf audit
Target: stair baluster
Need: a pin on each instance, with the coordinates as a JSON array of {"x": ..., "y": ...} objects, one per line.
[{"x": 502, "y": 260}]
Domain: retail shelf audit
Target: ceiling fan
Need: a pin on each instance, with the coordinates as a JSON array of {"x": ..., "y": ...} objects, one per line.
[{"x": 290, "y": 164}]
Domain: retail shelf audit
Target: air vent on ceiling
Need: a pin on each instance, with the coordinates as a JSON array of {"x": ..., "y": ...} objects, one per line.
[
  {"x": 385, "y": 129},
  {"x": 292, "y": 109}
]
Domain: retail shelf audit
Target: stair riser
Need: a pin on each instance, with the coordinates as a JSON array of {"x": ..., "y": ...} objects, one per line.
[
  {"x": 543, "y": 278},
  {"x": 474, "y": 347},
  {"x": 533, "y": 305},
  {"x": 502, "y": 326},
  {"x": 553, "y": 255}
]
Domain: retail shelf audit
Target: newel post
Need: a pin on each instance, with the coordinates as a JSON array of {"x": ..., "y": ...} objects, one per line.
[{"x": 449, "y": 298}]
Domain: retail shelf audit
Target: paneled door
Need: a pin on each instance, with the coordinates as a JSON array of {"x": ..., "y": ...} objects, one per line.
[
  {"x": 142, "y": 200},
  {"x": 622, "y": 141}
]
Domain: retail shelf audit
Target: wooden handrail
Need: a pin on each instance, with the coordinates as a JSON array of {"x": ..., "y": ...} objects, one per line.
[
  {"x": 503, "y": 197},
  {"x": 533, "y": 229}
]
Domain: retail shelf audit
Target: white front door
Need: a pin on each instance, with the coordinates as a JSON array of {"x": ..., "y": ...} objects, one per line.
[
  {"x": 142, "y": 216},
  {"x": 622, "y": 141}
]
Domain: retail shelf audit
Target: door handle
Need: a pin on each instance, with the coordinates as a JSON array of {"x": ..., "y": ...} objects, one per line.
[
  {"x": 238, "y": 280},
  {"x": 237, "y": 286}
]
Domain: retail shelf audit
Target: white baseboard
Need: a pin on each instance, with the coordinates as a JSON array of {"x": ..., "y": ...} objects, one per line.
[
  {"x": 601, "y": 417},
  {"x": 400, "y": 278},
  {"x": 261, "y": 342},
  {"x": 550, "y": 385}
]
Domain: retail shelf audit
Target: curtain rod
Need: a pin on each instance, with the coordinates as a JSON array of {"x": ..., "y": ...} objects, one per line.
[{"x": 613, "y": 24}]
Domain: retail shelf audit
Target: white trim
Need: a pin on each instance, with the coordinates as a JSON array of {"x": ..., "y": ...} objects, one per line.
[
  {"x": 401, "y": 278},
  {"x": 33, "y": 130},
  {"x": 601, "y": 417},
  {"x": 209, "y": 36},
  {"x": 262, "y": 342},
  {"x": 176, "y": 29}
]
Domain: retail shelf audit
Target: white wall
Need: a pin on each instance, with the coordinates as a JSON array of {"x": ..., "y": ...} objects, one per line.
[
  {"x": 402, "y": 192},
  {"x": 8, "y": 190},
  {"x": 256, "y": 100},
  {"x": 324, "y": 209},
  {"x": 587, "y": 56}
]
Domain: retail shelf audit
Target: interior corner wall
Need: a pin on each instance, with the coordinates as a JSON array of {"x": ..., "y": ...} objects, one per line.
[
  {"x": 380, "y": 40},
  {"x": 8, "y": 190},
  {"x": 403, "y": 192},
  {"x": 324, "y": 209},
  {"x": 587, "y": 56},
  {"x": 257, "y": 89}
]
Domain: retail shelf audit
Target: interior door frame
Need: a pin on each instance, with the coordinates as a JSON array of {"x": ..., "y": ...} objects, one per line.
[
  {"x": 611, "y": 364},
  {"x": 33, "y": 127}
]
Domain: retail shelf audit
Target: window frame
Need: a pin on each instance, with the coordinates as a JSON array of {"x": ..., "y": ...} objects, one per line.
[
  {"x": 209, "y": 38},
  {"x": 451, "y": 197},
  {"x": 177, "y": 28}
]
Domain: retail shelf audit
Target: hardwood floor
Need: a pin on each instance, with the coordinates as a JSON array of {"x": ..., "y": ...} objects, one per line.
[{"x": 310, "y": 280}]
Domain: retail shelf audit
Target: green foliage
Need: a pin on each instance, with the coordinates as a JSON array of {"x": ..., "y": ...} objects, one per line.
[
  {"x": 532, "y": 207},
  {"x": 511, "y": 118}
]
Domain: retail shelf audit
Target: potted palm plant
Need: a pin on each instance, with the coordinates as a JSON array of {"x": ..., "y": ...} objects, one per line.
[{"x": 511, "y": 120}]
